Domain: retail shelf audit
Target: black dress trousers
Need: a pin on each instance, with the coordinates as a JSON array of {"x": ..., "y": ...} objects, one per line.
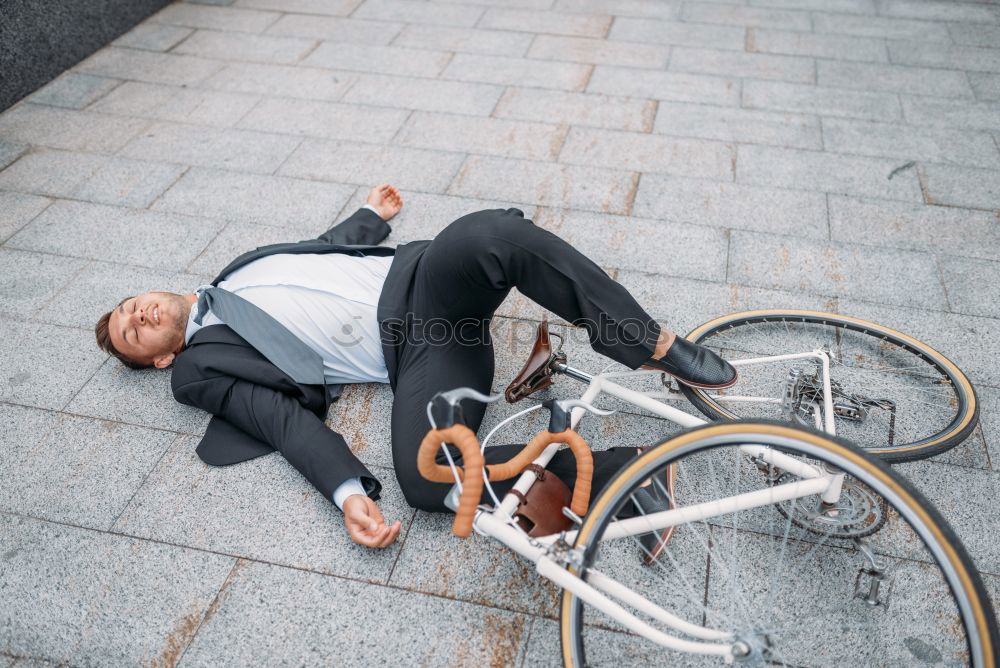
[{"x": 462, "y": 277}]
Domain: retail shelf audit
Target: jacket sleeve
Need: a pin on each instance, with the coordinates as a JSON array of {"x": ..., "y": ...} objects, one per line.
[
  {"x": 270, "y": 416},
  {"x": 363, "y": 228}
]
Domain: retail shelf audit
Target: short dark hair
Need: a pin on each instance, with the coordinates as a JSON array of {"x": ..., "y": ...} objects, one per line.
[{"x": 101, "y": 331}]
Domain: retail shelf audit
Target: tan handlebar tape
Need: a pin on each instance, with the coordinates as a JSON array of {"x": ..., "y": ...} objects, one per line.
[{"x": 471, "y": 470}]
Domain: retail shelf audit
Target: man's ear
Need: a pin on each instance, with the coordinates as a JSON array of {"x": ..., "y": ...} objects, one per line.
[{"x": 163, "y": 361}]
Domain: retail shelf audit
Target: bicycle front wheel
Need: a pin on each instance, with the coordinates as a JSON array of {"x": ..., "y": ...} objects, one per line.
[
  {"x": 893, "y": 395},
  {"x": 789, "y": 582}
]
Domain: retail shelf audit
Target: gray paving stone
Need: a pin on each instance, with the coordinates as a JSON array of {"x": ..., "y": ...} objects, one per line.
[
  {"x": 952, "y": 113},
  {"x": 282, "y": 80},
  {"x": 381, "y": 59},
  {"x": 986, "y": 86},
  {"x": 679, "y": 249},
  {"x": 425, "y": 94},
  {"x": 884, "y": 275},
  {"x": 732, "y": 205},
  {"x": 56, "y": 173},
  {"x": 17, "y": 210},
  {"x": 32, "y": 279},
  {"x": 937, "y": 11},
  {"x": 527, "y": 4},
  {"x": 603, "y": 111},
  {"x": 407, "y": 12},
  {"x": 89, "y": 476},
  {"x": 738, "y": 125},
  {"x": 99, "y": 232},
  {"x": 508, "y": 71},
  {"x": 101, "y": 286},
  {"x": 138, "y": 65},
  {"x": 305, "y": 205},
  {"x": 587, "y": 188},
  {"x": 220, "y": 510},
  {"x": 970, "y": 342},
  {"x": 140, "y": 397},
  {"x": 68, "y": 129},
  {"x": 182, "y": 105},
  {"x": 435, "y": 562},
  {"x": 962, "y": 186},
  {"x": 944, "y": 55},
  {"x": 681, "y": 34},
  {"x": 225, "y": 148},
  {"x": 963, "y": 496},
  {"x": 216, "y": 18},
  {"x": 152, "y": 37},
  {"x": 815, "y": 100},
  {"x": 971, "y": 285},
  {"x": 589, "y": 50},
  {"x": 974, "y": 34},
  {"x": 237, "y": 238},
  {"x": 90, "y": 582},
  {"x": 555, "y": 23},
  {"x": 326, "y": 120},
  {"x": 736, "y": 64},
  {"x": 649, "y": 153},
  {"x": 274, "y": 614},
  {"x": 648, "y": 8},
  {"x": 10, "y": 152},
  {"x": 903, "y": 141},
  {"x": 73, "y": 91},
  {"x": 453, "y": 132},
  {"x": 893, "y": 78},
  {"x": 672, "y": 86},
  {"x": 934, "y": 229},
  {"x": 124, "y": 182},
  {"x": 746, "y": 16},
  {"x": 879, "y": 26},
  {"x": 364, "y": 416},
  {"x": 464, "y": 40},
  {"x": 840, "y": 47},
  {"x": 368, "y": 164},
  {"x": 331, "y": 7},
  {"x": 843, "y": 6},
  {"x": 250, "y": 48},
  {"x": 989, "y": 418},
  {"x": 35, "y": 372},
  {"x": 846, "y": 175},
  {"x": 336, "y": 29}
]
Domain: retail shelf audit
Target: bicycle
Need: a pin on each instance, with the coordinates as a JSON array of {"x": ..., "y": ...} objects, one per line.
[{"x": 789, "y": 544}]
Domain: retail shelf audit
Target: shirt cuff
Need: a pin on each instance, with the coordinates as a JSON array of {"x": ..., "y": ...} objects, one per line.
[
  {"x": 347, "y": 488},
  {"x": 372, "y": 209}
]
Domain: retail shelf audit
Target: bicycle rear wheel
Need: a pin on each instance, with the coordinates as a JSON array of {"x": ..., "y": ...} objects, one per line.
[
  {"x": 792, "y": 587},
  {"x": 895, "y": 397}
]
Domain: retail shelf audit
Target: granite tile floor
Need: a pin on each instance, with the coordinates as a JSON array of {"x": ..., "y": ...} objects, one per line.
[{"x": 712, "y": 156}]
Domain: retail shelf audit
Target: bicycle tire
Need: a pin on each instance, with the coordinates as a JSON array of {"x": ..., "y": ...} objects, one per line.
[
  {"x": 955, "y": 432},
  {"x": 948, "y": 555}
]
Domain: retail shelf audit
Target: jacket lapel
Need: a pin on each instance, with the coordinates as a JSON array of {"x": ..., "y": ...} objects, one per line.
[{"x": 311, "y": 246}]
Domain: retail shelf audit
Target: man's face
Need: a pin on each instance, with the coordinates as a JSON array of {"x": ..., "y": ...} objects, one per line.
[{"x": 150, "y": 328}]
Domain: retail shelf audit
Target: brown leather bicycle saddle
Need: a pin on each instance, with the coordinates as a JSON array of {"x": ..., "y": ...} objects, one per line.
[{"x": 536, "y": 374}]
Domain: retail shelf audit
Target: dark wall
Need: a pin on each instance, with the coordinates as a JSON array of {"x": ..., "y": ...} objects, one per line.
[{"x": 41, "y": 38}]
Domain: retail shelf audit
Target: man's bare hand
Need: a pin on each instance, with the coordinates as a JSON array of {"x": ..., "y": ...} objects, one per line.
[
  {"x": 386, "y": 200},
  {"x": 365, "y": 525}
]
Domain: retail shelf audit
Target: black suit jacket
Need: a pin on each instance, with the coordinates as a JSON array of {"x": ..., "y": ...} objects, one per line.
[{"x": 256, "y": 408}]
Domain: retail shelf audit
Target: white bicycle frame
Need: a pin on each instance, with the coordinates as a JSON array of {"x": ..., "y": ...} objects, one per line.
[{"x": 549, "y": 553}]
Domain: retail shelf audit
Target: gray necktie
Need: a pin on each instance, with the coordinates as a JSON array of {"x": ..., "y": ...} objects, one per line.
[{"x": 268, "y": 336}]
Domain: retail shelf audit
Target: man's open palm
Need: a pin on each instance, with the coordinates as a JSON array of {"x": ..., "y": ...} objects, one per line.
[
  {"x": 365, "y": 524},
  {"x": 386, "y": 200}
]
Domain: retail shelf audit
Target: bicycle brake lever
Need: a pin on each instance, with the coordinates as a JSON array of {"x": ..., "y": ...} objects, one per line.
[
  {"x": 445, "y": 408},
  {"x": 560, "y": 409}
]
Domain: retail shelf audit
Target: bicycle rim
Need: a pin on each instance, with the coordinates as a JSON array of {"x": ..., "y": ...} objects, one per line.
[
  {"x": 908, "y": 400},
  {"x": 759, "y": 576}
]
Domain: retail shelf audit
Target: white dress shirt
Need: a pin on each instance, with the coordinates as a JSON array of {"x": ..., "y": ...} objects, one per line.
[{"x": 329, "y": 301}]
